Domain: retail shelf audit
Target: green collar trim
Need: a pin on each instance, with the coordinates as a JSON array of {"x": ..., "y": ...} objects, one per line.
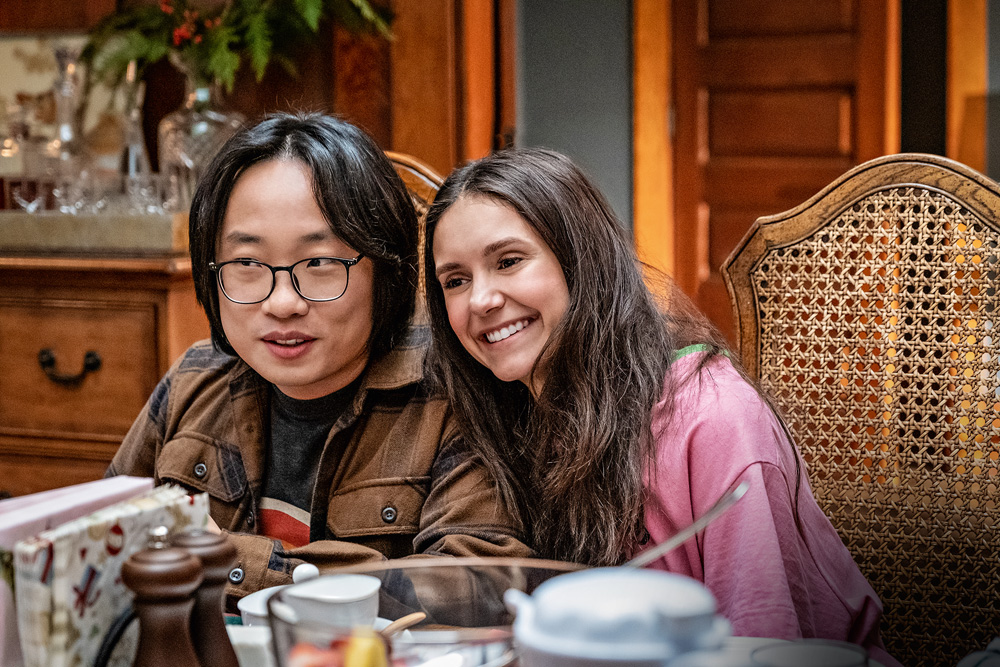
[{"x": 697, "y": 347}]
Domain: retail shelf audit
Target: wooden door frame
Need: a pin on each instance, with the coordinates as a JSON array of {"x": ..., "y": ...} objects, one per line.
[
  {"x": 967, "y": 82},
  {"x": 652, "y": 143}
]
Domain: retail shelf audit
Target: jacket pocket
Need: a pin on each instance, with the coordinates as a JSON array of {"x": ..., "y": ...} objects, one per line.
[
  {"x": 389, "y": 506},
  {"x": 204, "y": 465}
]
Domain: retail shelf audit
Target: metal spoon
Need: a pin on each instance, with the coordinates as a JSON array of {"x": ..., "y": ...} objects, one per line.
[{"x": 725, "y": 501}]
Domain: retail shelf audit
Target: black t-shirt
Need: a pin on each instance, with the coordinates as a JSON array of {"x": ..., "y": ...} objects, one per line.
[{"x": 299, "y": 429}]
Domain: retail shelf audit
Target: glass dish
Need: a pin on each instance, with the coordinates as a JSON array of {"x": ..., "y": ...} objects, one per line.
[{"x": 467, "y": 623}]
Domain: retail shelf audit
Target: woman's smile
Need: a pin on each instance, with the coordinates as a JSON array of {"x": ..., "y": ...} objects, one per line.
[{"x": 503, "y": 333}]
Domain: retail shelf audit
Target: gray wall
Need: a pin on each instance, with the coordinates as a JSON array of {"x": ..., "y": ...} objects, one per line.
[{"x": 574, "y": 88}]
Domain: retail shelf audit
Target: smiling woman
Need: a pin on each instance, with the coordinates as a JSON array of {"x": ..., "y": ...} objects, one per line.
[{"x": 628, "y": 416}]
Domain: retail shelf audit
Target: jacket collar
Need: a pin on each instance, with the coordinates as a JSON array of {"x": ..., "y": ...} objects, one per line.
[{"x": 401, "y": 366}]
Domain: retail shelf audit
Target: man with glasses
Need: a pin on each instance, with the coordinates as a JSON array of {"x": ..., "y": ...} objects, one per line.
[{"x": 306, "y": 418}]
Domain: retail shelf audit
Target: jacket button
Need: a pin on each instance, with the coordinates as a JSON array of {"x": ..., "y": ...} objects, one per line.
[
  {"x": 236, "y": 575},
  {"x": 200, "y": 470},
  {"x": 389, "y": 514},
  {"x": 250, "y": 518}
]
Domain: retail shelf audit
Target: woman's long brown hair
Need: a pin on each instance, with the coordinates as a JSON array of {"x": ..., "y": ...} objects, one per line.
[{"x": 572, "y": 461}]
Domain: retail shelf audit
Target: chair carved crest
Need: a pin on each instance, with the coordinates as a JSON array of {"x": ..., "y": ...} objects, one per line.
[
  {"x": 870, "y": 313},
  {"x": 422, "y": 182}
]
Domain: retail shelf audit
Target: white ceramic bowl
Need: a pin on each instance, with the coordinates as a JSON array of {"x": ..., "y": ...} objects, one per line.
[{"x": 611, "y": 617}]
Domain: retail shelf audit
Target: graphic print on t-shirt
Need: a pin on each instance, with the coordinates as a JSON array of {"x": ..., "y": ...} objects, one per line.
[{"x": 283, "y": 521}]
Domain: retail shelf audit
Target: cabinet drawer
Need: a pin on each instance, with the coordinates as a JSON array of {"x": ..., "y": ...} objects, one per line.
[
  {"x": 105, "y": 401},
  {"x": 23, "y": 474}
]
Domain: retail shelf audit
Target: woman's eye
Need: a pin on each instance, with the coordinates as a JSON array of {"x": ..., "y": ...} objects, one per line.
[
  {"x": 508, "y": 262},
  {"x": 452, "y": 283}
]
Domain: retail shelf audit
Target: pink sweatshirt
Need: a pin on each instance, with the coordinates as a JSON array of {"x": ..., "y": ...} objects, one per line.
[{"x": 771, "y": 577}]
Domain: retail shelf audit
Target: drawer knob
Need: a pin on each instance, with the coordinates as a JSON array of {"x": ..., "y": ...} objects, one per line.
[{"x": 47, "y": 360}]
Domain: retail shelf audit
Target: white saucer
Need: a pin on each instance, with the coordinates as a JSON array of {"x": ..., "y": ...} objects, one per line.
[{"x": 744, "y": 646}]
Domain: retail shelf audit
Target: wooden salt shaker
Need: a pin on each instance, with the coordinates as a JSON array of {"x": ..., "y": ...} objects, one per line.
[
  {"x": 164, "y": 581},
  {"x": 208, "y": 625}
]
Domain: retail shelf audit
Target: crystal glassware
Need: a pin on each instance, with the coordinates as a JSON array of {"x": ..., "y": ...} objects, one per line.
[
  {"x": 189, "y": 137},
  {"x": 28, "y": 194}
]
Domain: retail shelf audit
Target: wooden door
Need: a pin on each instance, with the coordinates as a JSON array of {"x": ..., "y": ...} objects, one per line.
[{"x": 773, "y": 100}]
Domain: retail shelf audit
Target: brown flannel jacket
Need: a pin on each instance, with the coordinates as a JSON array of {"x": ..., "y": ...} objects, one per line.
[{"x": 393, "y": 478}]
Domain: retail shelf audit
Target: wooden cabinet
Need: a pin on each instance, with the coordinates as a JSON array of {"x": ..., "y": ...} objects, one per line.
[{"x": 83, "y": 342}]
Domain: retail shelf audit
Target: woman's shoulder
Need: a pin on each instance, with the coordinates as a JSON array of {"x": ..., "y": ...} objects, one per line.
[
  {"x": 710, "y": 406},
  {"x": 699, "y": 377}
]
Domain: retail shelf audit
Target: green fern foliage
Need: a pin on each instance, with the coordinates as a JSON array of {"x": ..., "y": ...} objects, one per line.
[{"x": 213, "y": 40}]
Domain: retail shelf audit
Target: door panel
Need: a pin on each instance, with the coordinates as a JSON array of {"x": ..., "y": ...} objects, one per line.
[
  {"x": 779, "y": 61},
  {"x": 773, "y": 100},
  {"x": 729, "y": 17},
  {"x": 772, "y": 184},
  {"x": 780, "y": 123}
]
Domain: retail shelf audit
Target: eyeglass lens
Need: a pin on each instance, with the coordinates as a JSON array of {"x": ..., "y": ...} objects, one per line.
[{"x": 319, "y": 278}]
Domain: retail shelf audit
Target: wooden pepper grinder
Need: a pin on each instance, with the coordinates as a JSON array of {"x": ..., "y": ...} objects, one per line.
[
  {"x": 164, "y": 580},
  {"x": 208, "y": 625}
]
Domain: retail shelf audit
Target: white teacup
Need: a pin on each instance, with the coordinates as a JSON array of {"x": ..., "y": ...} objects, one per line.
[
  {"x": 253, "y": 607},
  {"x": 336, "y": 599}
]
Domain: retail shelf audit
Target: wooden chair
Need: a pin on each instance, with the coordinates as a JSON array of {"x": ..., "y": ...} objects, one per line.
[
  {"x": 420, "y": 179},
  {"x": 422, "y": 182},
  {"x": 870, "y": 313}
]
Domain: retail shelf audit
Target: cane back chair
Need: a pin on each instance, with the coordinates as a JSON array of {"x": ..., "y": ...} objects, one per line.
[
  {"x": 870, "y": 313},
  {"x": 422, "y": 183}
]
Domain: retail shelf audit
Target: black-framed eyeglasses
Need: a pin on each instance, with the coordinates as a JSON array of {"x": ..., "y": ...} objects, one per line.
[{"x": 248, "y": 281}]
